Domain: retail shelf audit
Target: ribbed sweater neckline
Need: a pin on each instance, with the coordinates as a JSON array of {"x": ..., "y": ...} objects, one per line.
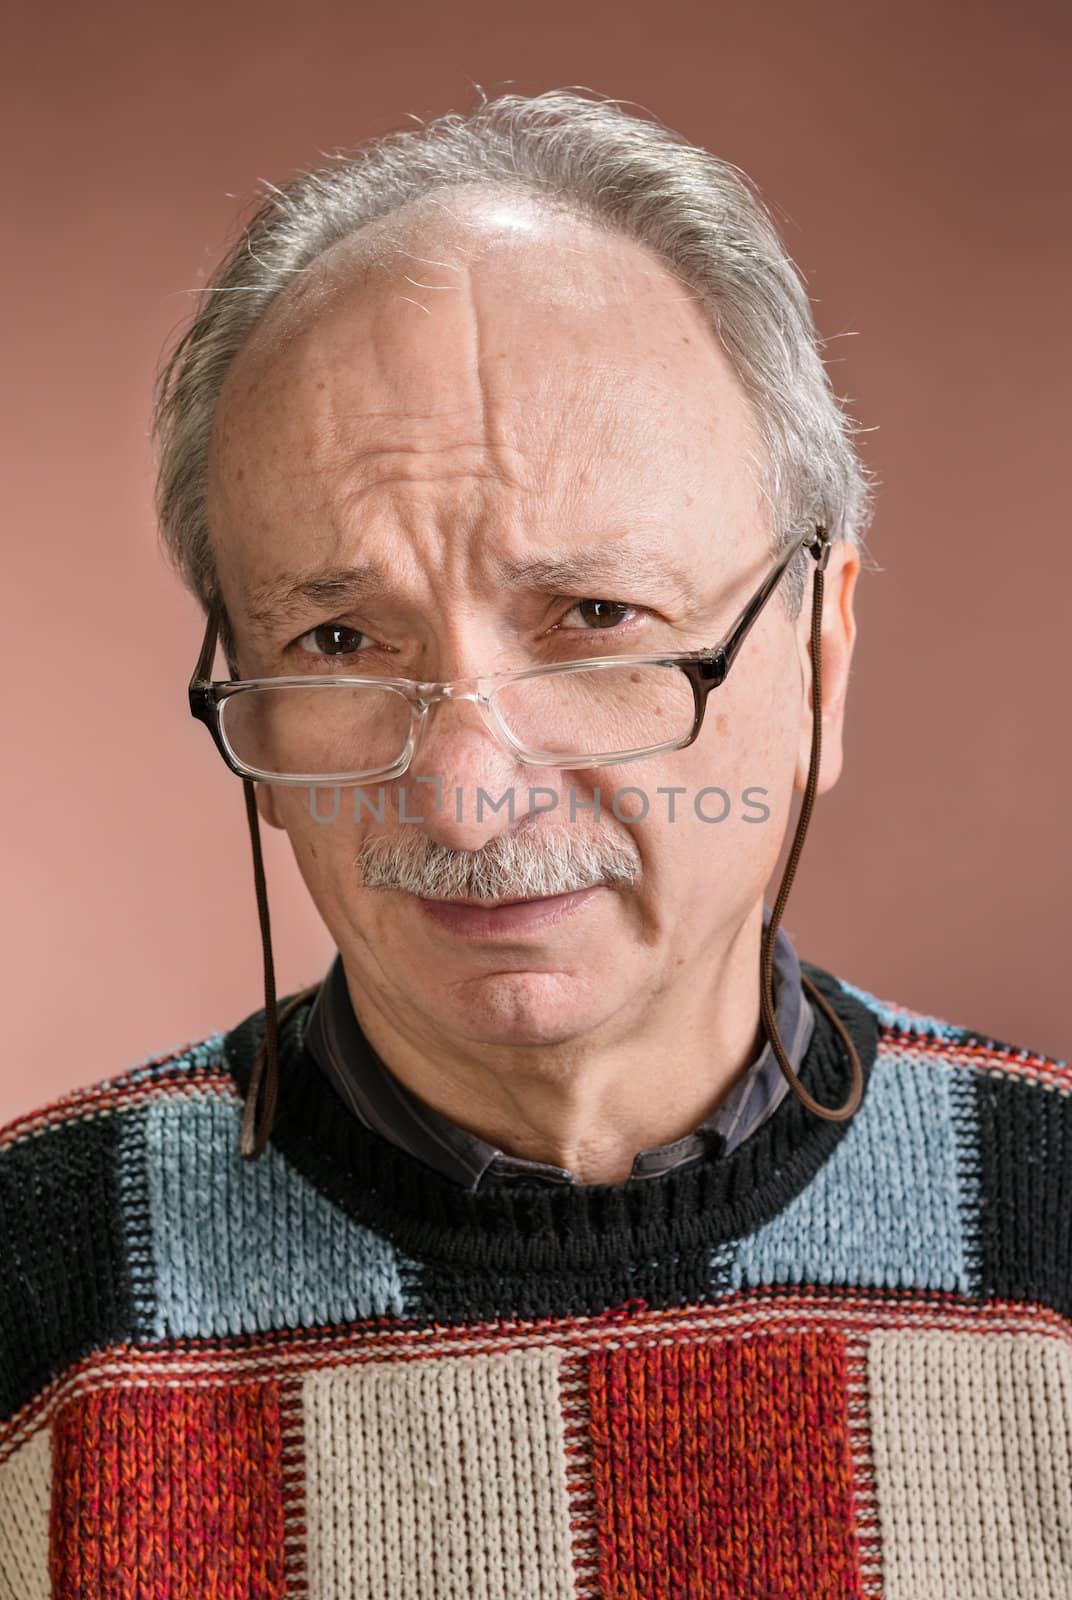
[{"x": 531, "y": 1227}]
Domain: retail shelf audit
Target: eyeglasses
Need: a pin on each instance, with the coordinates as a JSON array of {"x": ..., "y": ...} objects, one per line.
[{"x": 586, "y": 713}]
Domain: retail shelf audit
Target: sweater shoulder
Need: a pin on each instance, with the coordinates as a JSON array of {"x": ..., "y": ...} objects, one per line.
[
  {"x": 195, "y": 1069},
  {"x": 931, "y": 1040},
  {"x": 72, "y": 1199},
  {"x": 955, "y": 1175}
]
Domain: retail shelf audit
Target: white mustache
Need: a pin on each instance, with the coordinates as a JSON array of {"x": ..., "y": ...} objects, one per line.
[{"x": 524, "y": 864}]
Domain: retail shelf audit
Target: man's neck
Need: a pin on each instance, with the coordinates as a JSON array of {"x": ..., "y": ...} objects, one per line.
[{"x": 588, "y": 1103}]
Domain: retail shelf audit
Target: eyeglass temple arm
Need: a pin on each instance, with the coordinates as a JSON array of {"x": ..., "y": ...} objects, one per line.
[
  {"x": 203, "y": 670},
  {"x": 200, "y": 687},
  {"x": 817, "y": 542}
]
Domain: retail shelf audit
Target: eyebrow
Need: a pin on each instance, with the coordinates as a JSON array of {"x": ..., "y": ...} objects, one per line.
[
  {"x": 599, "y": 564},
  {"x": 327, "y": 588},
  {"x": 336, "y": 588}
]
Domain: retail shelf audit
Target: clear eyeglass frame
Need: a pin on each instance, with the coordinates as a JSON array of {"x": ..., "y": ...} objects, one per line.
[{"x": 705, "y": 669}]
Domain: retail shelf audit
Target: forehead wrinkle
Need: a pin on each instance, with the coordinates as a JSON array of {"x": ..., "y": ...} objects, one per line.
[
  {"x": 396, "y": 464},
  {"x": 417, "y": 440}
]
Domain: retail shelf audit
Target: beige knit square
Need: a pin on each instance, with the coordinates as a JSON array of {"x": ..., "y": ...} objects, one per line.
[
  {"x": 25, "y": 1490},
  {"x": 438, "y": 1479},
  {"x": 972, "y": 1439}
]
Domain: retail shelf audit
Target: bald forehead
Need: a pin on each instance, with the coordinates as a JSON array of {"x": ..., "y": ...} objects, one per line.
[
  {"x": 482, "y": 364},
  {"x": 444, "y": 240},
  {"x": 479, "y": 303}
]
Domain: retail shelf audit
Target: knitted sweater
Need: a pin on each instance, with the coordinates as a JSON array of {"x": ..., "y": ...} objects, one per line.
[{"x": 836, "y": 1361}]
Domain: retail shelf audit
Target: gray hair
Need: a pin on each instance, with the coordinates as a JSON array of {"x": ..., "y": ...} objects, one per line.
[
  {"x": 700, "y": 214},
  {"x": 524, "y": 863}
]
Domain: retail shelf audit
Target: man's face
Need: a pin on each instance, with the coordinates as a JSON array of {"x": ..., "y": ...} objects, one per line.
[{"x": 486, "y": 386}]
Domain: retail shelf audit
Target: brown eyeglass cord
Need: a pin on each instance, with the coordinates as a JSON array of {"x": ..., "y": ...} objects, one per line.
[
  {"x": 766, "y": 960},
  {"x": 257, "y": 1118}
]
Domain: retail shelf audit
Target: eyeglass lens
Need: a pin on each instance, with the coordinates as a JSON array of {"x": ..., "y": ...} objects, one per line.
[{"x": 336, "y": 730}]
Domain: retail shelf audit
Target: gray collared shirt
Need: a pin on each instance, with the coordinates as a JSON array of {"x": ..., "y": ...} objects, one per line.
[{"x": 384, "y": 1104}]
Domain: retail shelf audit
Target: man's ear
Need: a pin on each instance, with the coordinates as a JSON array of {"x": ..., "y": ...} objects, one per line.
[
  {"x": 266, "y": 804},
  {"x": 838, "y": 639}
]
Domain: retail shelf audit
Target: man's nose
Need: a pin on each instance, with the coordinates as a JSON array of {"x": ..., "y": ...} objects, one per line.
[{"x": 463, "y": 781}]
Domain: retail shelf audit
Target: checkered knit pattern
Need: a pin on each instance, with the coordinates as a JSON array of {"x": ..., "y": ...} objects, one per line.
[{"x": 835, "y": 1363}]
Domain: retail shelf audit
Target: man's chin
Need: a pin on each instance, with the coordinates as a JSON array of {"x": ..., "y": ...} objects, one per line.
[{"x": 524, "y": 1008}]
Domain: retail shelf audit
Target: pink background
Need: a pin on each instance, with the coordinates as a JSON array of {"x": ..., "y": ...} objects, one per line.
[{"x": 917, "y": 157}]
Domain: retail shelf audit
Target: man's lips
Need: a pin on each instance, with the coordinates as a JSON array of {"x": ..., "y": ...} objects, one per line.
[
  {"x": 491, "y": 918},
  {"x": 490, "y": 905}
]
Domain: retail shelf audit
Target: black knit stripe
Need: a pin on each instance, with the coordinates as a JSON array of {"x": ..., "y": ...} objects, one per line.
[
  {"x": 561, "y": 1229},
  {"x": 452, "y": 1294},
  {"x": 132, "y": 1185},
  {"x": 1025, "y": 1161},
  {"x": 964, "y": 1038},
  {"x": 64, "y": 1282}
]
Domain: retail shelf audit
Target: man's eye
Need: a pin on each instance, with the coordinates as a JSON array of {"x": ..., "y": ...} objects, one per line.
[
  {"x": 600, "y": 613},
  {"x": 331, "y": 639}
]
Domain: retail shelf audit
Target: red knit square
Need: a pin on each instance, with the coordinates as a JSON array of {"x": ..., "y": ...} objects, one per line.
[
  {"x": 168, "y": 1494},
  {"x": 723, "y": 1470}
]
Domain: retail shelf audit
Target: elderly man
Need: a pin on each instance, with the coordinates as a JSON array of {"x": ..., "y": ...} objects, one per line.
[{"x": 574, "y": 1237}]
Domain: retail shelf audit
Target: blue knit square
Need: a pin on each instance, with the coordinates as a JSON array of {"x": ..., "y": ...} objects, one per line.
[
  {"x": 238, "y": 1246},
  {"x": 896, "y": 1205}
]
